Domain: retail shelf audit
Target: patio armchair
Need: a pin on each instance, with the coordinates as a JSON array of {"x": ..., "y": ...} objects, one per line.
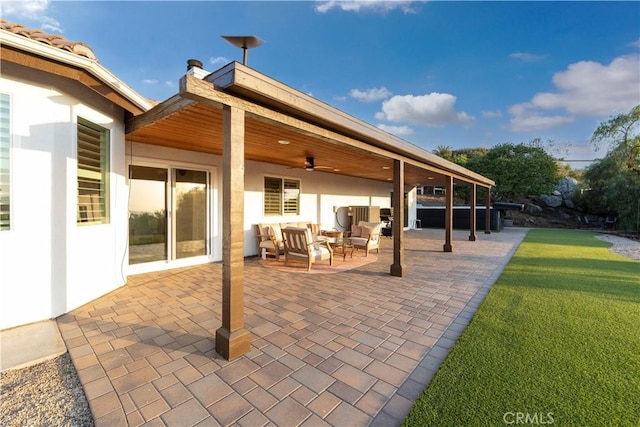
[
  {"x": 269, "y": 241},
  {"x": 366, "y": 235},
  {"x": 299, "y": 244}
]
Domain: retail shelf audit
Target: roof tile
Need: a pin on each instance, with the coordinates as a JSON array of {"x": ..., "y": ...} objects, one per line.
[{"x": 54, "y": 40}]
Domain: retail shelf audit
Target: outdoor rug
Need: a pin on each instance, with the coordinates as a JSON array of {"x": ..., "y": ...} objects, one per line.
[{"x": 320, "y": 267}]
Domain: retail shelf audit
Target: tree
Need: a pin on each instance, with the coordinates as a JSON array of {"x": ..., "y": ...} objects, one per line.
[
  {"x": 612, "y": 184},
  {"x": 443, "y": 151},
  {"x": 618, "y": 134},
  {"x": 518, "y": 170}
]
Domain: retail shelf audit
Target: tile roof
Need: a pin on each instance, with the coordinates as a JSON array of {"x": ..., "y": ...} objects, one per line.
[{"x": 58, "y": 41}]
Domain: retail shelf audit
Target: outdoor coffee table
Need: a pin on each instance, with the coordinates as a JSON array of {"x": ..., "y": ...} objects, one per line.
[{"x": 342, "y": 246}]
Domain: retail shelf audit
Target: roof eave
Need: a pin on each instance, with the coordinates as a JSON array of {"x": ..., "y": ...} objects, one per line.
[{"x": 74, "y": 60}]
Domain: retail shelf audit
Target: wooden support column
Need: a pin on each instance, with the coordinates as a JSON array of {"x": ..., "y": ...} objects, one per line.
[
  {"x": 487, "y": 217},
  {"x": 448, "y": 214},
  {"x": 232, "y": 340},
  {"x": 472, "y": 214},
  {"x": 397, "y": 268}
]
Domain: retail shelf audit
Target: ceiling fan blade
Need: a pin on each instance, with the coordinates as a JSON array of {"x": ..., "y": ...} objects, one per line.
[{"x": 309, "y": 162}]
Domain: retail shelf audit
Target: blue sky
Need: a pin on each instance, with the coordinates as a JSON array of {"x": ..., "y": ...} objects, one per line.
[{"x": 458, "y": 74}]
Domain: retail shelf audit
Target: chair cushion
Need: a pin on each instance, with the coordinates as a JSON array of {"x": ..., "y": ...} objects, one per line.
[
  {"x": 276, "y": 231},
  {"x": 311, "y": 238},
  {"x": 319, "y": 252},
  {"x": 356, "y": 231},
  {"x": 359, "y": 241},
  {"x": 366, "y": 231},
  {"x": 267, "y": 244},
  {"x": 315, "y": 229},
  {"x": 270, "y": 244}
]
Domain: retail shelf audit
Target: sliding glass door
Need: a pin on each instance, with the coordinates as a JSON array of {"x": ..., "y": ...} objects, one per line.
[
  {"x": 168, "y": 213},
  {"x": 190, "y": 220}
]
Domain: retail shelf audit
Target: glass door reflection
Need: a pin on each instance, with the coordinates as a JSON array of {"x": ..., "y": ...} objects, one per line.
[
  {"x": 147, "y": 214},
  {"x": 190, "y": 219}
]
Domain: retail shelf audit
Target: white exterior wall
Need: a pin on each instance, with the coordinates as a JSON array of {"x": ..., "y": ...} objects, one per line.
[
  {"x": 320, "y": 192},
  {"x": 48, "y": 264}
]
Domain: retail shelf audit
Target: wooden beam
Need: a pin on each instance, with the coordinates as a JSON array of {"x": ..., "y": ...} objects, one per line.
[
  {"x": 472, "y": 214},
  {"x": 232, "y": 339},
  {"x": 398, "y": 267},
  {"x": 172, "y": 105},
  {"x": 39, "y": 63},
  {"x": 448, "y": 215}
]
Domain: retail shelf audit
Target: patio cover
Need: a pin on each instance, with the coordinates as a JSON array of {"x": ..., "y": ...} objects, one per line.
[{"x": 241, "y": 114}]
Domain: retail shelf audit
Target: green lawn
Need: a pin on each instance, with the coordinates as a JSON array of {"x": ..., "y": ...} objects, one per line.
[{"x": 557, "y": 340}]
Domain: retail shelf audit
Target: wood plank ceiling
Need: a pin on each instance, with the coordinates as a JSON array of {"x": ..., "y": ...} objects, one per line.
[{"x": 198, "y": 127}]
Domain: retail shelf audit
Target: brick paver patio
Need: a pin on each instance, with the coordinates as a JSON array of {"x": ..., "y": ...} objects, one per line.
[{"x": 353, "y": 348}]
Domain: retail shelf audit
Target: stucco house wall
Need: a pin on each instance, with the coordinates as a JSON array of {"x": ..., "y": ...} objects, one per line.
[
  {"x": 320, "y": 193},
  {"x": 49, "y": 263}
]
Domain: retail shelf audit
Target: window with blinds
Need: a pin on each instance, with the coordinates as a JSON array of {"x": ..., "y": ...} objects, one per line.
[
  {"x": 5, "y": 162},
  {"x": 281, "y": 196},
  {"x": 291, "y": 196},
  {"x": 93, "y": 173}
]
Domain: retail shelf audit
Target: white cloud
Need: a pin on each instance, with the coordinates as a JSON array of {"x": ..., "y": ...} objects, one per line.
[
  {"x": 397, "y": 130},
  {"x": 585, "y": 88},
  {"x": 323, "y": 6},
  {"x": 150, "y": 81},
  {"x": 32, "y": 10},
  {"x": 433, "y": 109},
  {"x": 491, "y": 114},
  {"x": 25, "y": 8},
  {"x": 532, "y": 122},
  {"x": 527, "y": 57},
  {"x": 370, "y": 95},
  {"x": 635, "y": 43},
  {"x": 219, "y": 61}
]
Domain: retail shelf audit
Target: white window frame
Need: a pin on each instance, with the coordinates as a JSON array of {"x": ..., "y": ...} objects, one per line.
[
  {"x": 283, "y": 199},
  {"x": 214, "y": 245}
]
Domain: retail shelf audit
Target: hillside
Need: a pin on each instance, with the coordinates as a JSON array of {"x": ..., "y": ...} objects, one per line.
[{"x": 549, "y": 217}]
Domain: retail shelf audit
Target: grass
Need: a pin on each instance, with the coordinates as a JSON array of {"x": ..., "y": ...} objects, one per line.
[{"x": 557, "y": 340}]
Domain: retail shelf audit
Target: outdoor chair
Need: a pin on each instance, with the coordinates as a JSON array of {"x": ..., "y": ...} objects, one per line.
[
  {"x": 300, "y": 245},
  {"x": 366, "y": 235},
  {"x": 269, "y": 241}
]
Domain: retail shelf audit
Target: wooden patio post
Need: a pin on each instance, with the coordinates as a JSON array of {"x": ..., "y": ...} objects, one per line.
[
  {"x": 472, "y": 213},
  {"x": 448, "y": 214},
  {"x": 397, "y": 268},
  {"x": 232, "y": 340},
  {"x": 487, "y": 216}
]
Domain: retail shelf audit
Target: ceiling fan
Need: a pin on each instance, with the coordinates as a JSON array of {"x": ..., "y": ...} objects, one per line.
[{"x": 310, "y": 166}]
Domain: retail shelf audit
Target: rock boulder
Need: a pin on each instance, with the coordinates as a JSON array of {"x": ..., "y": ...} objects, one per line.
[{"x": 552, "y": 200}]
